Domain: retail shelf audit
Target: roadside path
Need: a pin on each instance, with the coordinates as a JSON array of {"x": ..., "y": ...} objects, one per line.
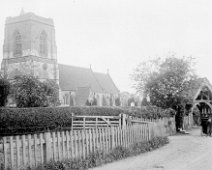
[{"x": 184, "y": 152}]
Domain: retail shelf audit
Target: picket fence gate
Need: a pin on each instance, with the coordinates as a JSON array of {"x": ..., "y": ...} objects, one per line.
[{"x": 20, "y": 152}]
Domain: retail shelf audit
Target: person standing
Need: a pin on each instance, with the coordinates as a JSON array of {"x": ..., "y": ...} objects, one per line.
[{"x": 209, "y": 127}]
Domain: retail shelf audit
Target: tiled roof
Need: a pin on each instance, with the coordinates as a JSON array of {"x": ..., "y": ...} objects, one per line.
[
  {"x": 82, "y": 94},
  {"x": 107, "y": 83},
  {"x": 195, "y": 85},
  {"x": 72, "y": 77}
]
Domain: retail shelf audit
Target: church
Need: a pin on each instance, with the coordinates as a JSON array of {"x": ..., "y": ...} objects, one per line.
[{"x": 30, "y": 49}]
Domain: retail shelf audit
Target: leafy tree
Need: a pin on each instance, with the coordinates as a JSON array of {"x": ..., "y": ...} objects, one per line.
[
  {"x": 166, "y": 82},
  {"x": 51, "y": 89},
  {"x": 30, "y": 92},
  {"x": 4, "y": 91}
]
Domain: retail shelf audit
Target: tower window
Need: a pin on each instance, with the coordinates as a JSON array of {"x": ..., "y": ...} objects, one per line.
[
  {"x": 43, "y": 44},
  {"x": 17, "y": 45}
]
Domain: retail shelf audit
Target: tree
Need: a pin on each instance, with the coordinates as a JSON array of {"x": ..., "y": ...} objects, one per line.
[
  {"x": 4, "y": 91},
  {"x": 166, "y": 82},
  {"x": 51, "y": 89},
  {"x": 30, "y": 92}
]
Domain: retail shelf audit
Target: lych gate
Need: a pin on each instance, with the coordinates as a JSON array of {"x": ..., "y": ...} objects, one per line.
[{"x": 202, "y": 102}]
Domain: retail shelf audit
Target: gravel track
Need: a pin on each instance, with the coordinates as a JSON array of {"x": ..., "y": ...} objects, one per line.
[{"x": 184, "y": 152}]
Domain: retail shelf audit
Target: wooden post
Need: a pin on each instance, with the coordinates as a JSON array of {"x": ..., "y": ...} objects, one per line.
[
  {"x": 90, "y": 141},
  {"x": 68, "y": 144},
  {"x": 115, "y": 136},
  {"x": 48, "y": 146},
  {"x": 106, "y": 140},
  {"x": 96, "y": 122},
  {"x": 59, "y": 146},
  {"x": 72, "y": 120},
  {"x": 63, "y": 146},
  {"x": 24, "y": 150},
  {"x": 72, "y": 145},
  {"x": 41, "y": 148},
  {"x": 29, "y": 150},
  {"x": 17, "y": 153},
  {"x": 87, "y": 143},
  {"x": 35, "y": 149},
  {"x": 54, "y": 146},
  {"x": 83, "y": 143},
  {"x": 109, "y": 139},
  {"x": 124, "y": 117},
  {"x": 75, "y": 144},
  {"x": 5, "y": 152},
  {"x": 94, "y": 137},
  {"x": 11, "y": 152},
  {"x": 84, "y": 123}
]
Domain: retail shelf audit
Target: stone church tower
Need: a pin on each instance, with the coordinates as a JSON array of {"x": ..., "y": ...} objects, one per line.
[{"x": 30, "y": 47}]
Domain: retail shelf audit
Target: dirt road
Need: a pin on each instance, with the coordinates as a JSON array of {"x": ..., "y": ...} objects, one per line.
[{"x": 184, "y": 152}]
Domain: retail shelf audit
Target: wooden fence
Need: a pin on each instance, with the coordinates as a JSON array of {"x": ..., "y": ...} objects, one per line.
[{"x": 20, "y": 152}]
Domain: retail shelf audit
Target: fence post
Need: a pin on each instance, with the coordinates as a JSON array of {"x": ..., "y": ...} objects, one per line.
[
  {"x": 72, "y": 121},
  {"x": 84, "y": 123},
  {"x": 96, "y": 122},
  {"x": 5, "y": 165},
  {"x": 48, "y": 146},
  {"x": 122, "y": 120},
  {"x": 149, "y": 130}
]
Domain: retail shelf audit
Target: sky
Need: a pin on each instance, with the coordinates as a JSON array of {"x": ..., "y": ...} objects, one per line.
[{"x": 119, "y": 34}]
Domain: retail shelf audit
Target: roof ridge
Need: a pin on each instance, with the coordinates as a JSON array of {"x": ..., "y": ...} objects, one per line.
[
  {"x": 99, "y": 73},
  {"x": 74, "y": 66}
]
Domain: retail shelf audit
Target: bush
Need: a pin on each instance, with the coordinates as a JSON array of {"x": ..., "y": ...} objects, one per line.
[
  {"x": 31, "y": 92},
  {"x": 4, "y": 91},
  {"x": 98, "y": 158},
  {"x": 33, "y": 120}
]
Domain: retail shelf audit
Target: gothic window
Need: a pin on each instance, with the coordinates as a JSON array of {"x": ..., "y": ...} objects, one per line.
[
  {"x": 17, "y": 45},
  {"x": 43, "y": 44}
]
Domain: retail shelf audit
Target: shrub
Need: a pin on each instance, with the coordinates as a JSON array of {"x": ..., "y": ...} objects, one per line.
[
  {"x": 33, "y": 120},
  {"x": 4, "y": 91},
  {"x": 31, "y": 92}
]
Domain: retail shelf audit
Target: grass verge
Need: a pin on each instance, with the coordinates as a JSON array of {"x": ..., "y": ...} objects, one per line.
[{"x": 99, "y": 158}]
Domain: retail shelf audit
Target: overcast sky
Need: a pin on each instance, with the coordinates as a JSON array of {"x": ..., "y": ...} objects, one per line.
[{"x": 118, "y": 34}]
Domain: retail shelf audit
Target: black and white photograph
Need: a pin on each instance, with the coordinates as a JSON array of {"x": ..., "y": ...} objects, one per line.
[{"x": 105, "y": 85}]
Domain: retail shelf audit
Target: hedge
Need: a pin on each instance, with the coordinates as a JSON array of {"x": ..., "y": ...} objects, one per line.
[{"x": 34, "y": 120}]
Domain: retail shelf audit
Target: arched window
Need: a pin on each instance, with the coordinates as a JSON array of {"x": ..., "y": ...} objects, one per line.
[
  {"x": 43, "y": 44},
  {"x": 17, "y": 51}
]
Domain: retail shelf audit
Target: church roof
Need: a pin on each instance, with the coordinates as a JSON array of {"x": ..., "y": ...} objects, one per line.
[
  {"x": 106, "y": 82},
  {"x": 72, "y": 77},
  {"x": 82, "y": 94}
]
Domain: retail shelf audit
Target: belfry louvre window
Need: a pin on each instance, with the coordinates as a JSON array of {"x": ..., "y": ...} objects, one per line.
[
  {"x": 17, "y": 45},
  {"x": 43, "y": 44}
]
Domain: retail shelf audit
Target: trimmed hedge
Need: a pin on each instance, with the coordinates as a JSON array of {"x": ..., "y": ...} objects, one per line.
[
  {"x": 98, "y": 158},
  {"x": 34, "y": 120}
]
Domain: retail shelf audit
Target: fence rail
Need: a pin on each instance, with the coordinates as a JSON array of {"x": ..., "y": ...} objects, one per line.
[{"x": 87, "y": 122}]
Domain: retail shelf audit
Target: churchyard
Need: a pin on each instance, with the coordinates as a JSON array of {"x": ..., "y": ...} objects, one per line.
[{"x": 63, "y": 117}]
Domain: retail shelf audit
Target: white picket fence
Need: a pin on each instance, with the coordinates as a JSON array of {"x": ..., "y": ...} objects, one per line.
[{"x": 24, "y": 151}]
